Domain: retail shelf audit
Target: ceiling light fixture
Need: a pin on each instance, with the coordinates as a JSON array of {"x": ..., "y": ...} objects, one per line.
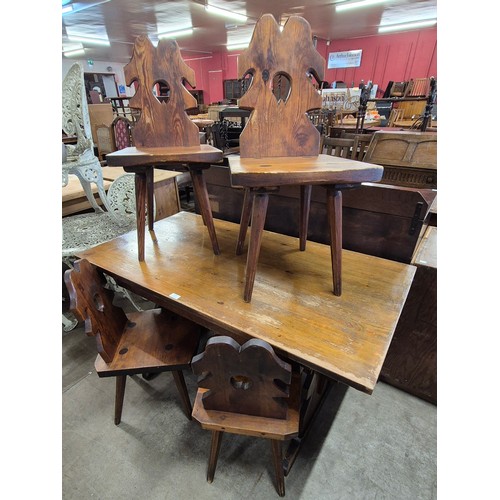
[
  {"x": 74, "y": 52},
  {"x": 86, "y": 39},
  {"x": 226, "y": 13},
  {"x": 407, "y": 26},
  {"x": 175, "y": 34},
  {"x": 356, "y": 5},
  {"x": 67, "y": 8},
  {"x": 235, "y": 46}
]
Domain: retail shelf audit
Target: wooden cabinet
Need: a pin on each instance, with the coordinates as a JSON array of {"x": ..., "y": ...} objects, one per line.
[{"x": 411, "y": 362}]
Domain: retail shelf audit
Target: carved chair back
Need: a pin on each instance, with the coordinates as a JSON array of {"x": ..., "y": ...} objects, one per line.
[
  {"x": 248, "y": 379},
  {"x": 93, "y": 303},
  {"x": 163, "y": 120},
  {"x": 279, "y": 124}
]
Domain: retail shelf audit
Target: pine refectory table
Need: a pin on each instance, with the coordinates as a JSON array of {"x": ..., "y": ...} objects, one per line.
[{"x": 343, "y": 339}]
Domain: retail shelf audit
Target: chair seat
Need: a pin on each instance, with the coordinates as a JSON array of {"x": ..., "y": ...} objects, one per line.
[
  {"x": 137, "y": 157},
  {"x": 251, "y": 425},
  {"x": 153, "y": 341},
  {"x": 281, "y": 171}
]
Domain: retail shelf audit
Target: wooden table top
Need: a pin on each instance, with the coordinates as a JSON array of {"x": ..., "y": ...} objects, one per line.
[
  {"x": 281, "y": 171},
  {"x": 112, "y": 173},
  {"x": 136, "y": 157},
  {"x": 292, "y": 306}
]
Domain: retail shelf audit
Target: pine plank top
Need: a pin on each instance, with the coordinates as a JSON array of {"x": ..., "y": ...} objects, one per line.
[
  {"x": 292, "y": 307},
  {"x": 281, "y": 171},
  {"x": 136, "y": 157}
]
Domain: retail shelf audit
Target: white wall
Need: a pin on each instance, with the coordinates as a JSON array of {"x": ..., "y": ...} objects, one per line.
[{"x": 98, "y": 67}]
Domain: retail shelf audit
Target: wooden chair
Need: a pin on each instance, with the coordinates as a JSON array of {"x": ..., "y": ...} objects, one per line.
[
  {"x": 340, "y": 147},
  {"x": 164, "y": 135},
  {"x": 395, "y": 115},
  {"x": 360, "y": 147},
  {"x": 272, "y": 155},
  {"x": 246, "y": 390},
  {"x": 122, "y": 133},
  {"x": 145, "y": 342}
]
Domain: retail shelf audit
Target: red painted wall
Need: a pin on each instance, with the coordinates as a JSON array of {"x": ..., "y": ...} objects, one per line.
[{"x": 396, "y": 57}]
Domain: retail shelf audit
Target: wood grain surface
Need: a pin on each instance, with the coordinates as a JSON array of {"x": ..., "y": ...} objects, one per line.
[{"x": 292, "y": 307}]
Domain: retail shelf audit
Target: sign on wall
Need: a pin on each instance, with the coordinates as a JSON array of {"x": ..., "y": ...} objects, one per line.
[{"x": 345, "y": 59}]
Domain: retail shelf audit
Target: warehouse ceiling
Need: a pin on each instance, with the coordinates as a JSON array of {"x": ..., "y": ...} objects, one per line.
[{"x": 119, "y": 22}]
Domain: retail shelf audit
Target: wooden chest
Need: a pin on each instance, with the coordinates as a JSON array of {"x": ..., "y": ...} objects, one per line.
[
  {"x": 381, "y": 220},
  {"x": 411, "y": 362}
]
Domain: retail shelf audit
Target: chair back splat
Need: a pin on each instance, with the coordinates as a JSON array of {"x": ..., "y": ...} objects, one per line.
[
  {"x": 93, "y": 303},
  {"x": 258, "y": 381},
  {"x": 286, "y": 130},
  {"x": 164, "y": 121}
]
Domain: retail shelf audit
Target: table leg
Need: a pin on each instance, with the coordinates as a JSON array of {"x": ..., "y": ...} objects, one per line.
[
  {"x": 140, "y": 210},
  {"x": 260, "y": 201},
  {"x": 245, "y": 220},
  {"x": 334, "y": 203},
  {"x": 201, "y": 193},
  {"x": 305, "y": 204}
]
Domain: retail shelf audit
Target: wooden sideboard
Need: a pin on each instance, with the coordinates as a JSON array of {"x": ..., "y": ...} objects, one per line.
[{"x": 381, "y": 220}]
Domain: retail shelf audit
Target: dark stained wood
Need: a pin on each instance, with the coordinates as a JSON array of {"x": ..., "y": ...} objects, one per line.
[
  {"x": 334, "y": 206},
  {"x": 164, "y": 136},
  {"x": 411, "y": 362},
  {"x": 305, "y": 205},
  {"x": 292, "y": 309},
  {"x": 341, "y": 147},
  {"x": 409, "y": 158},
  {"x": 383, "y": 220},
  {"x": 246, "y": 378},
  {"x": 151, "y": 341},
  {"x": 248, "y": 390}
]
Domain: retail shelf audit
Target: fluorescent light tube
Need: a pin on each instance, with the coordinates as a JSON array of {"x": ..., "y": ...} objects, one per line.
[
  {"x": 225, "y": 13},
  {"x": 235, "y": 46},
  {"x": 74, "y": 52},
  {"x": 174, "y": 34},
  {"x": 67, "y": 8},
  {"x": 407, "y": 26},
  {"x": 85, "y": 39},
  {"x": 356, "y": 5}
]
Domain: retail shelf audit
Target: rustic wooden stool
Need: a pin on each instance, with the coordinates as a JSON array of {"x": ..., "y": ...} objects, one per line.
[
  {"x": 279, "y": 145},
  {"x": 145, "y": 342},
  {"x": 163, "y": 136},
  {"x": 246, "y": 390}
]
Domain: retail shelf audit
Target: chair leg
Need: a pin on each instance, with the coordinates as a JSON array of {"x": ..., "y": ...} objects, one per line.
[
  {"x": 183, "y": 393},
  {"x": 119, "y": 395},
  {"x": 140, "y": 208},
  {"x": 245, "y": 220},
  {"x": 214, "y": 454},
  {"x": 278, "y": 466},
  {"x": 334, "y": 202},
  {"x": 201, "y": 194},
  {"x": 305, "y": 204},
  {"x": 259, "y": 211}
]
